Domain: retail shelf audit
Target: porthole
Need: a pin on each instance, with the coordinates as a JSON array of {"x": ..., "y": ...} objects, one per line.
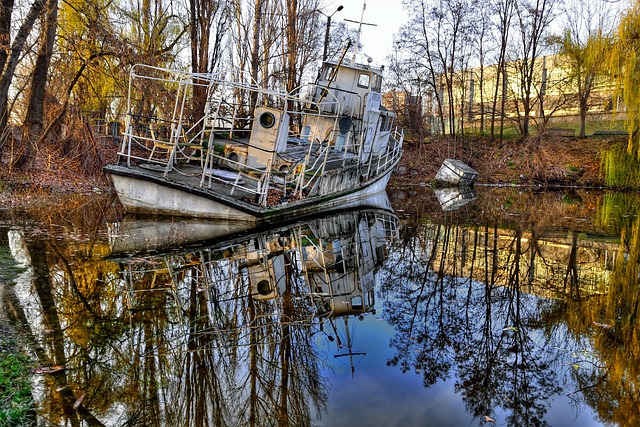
[
  {"x": 267, "y": 120},
  {"x": 264, "y": 287}
]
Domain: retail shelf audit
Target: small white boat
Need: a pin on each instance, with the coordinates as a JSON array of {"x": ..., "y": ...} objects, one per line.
[{"x": 255, "y": 154}]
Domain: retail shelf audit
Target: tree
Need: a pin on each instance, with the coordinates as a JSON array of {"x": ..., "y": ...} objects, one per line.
[
  {"x": 583, "y": 43},
  {"x": 533, "y": 19},
  {"x": 34, "y": 121},
  {"x": 624, "y": 65},
  {"x": 482, "y": 44},
  {"x": 206, "y": 17},
  {"x": 435, "y": 37},
  {"x": 12, "y": 61},
  {"x": 504, "y": 10},
  {"x": 585, "y": 62}
]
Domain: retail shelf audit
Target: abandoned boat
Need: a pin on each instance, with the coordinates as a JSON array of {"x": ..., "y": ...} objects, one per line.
[{"x": 254, "y": 154}]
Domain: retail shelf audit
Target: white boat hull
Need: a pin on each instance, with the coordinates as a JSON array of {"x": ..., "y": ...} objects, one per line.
[
  {"x": 138, "y": 195},
  {"x": 142, "y": 196}
]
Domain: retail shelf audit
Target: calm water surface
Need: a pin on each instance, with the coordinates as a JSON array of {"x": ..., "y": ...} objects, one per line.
[{"x": 505, "y": 307}]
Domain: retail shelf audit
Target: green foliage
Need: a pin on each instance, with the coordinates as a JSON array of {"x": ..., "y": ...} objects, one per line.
[
  {"x": 16, "y": 401},
  {"x": 625, "y": 66},
  {"x": 619, "y": 210},
  {"x": 621, "y": 170}
]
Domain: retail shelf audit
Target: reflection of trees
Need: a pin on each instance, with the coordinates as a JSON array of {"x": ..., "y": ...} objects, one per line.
[
  {"x": 518, "y": 316},
  {"x": 50, "y": 349},
  {"x": 191, "y": 338},
  {"x": 224, "y": 358},
  {"x": 484, "y": 332},
  {"x": 608, "y": 376}
]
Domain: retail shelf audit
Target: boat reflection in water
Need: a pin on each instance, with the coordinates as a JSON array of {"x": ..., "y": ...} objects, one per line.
[{"x": 230, "y": 333}]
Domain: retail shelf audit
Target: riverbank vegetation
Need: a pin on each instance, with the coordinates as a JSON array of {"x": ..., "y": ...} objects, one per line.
[
  {"x": 64, "y": 71},
  {"x": 16, "y": 401}
]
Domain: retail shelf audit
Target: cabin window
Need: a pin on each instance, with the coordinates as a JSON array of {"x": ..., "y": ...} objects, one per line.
[
  {"x": 363, "y": 81},
  {"x": 356, "y": 302},
  {"x": 377, "y": 83},
  {"x": 328, "y": 72},
  {"x": 384, "y": 123},
  {"x": 264, "y": 287}
]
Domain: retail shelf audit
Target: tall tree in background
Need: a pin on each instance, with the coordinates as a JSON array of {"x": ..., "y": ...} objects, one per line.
[
  {"x": 583, "y": 44},
  {"x": 503, "y": 10},
  {"x": 6, "y": 9},
  {"x": 254, "y": 60},
  {"x": 436, "y": 37},
  {"x": 302, "y": 47},
  {"x": 205, "y": 17},
  {"x": 625, "y": 66},
  {"x": 293, "y": 41},
  {"x": 450, "y": 18},
  {"x": 482, "y": 20},
  {"x": 34, "y": 121},
  {"x": 585, "y": 63},
  {"x": 9, "y": 69},
  {"x": 533, "y": 19}
]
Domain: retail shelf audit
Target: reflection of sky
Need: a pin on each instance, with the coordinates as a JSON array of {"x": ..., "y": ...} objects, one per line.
[{"x": 381, "y": 395}]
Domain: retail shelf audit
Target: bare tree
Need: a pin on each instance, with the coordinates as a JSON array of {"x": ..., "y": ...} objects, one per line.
[
  {"x": 206, "y": 17},
  {"x": 436, "y": 37},
  {"x": 533, "y": 19},
  {"x": 504, "y": 10},
  {"x": 34, "y": 120}
]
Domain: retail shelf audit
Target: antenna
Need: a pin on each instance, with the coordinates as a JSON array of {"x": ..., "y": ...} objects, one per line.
[{"x": 360, "y": 24}]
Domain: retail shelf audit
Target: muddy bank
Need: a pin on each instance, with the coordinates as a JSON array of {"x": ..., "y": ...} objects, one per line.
[{"x": 545, "y": 162}]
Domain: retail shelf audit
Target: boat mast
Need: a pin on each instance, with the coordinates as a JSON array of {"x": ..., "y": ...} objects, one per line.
[{"x": 360, "y": 24}]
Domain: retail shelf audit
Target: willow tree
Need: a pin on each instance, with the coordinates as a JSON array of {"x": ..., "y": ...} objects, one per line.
[
  {"x": 583, "y": 44},
  {"x": 625, "y": 66},
  {"x": 584, "y": 64}
]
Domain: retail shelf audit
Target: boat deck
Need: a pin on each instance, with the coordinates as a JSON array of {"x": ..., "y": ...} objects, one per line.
[{"x": 227, "y": 181}]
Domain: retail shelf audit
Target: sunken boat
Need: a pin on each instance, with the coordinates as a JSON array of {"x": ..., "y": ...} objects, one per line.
[{"x": 255, "y": 154}]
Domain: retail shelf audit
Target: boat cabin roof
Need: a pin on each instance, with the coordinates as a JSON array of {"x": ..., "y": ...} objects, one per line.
[{"x": 359, "y": 76}]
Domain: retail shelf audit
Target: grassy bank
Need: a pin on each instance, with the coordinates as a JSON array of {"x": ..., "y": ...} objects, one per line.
[
  {"x": 16, "y": 400},
  {"x": 548, "y": 161}
]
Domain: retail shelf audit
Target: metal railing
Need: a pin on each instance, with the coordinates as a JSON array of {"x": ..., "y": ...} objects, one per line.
[{"x": 220, "y": 138}]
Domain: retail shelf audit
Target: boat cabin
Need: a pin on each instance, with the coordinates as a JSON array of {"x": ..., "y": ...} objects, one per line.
[{"x": 343, "y": 89}]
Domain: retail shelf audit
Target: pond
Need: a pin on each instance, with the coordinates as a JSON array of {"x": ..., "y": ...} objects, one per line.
[{"x": 500, "y": 306}]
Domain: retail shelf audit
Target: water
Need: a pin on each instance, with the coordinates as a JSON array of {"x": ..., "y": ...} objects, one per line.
[{"x": 515, "y": 308}]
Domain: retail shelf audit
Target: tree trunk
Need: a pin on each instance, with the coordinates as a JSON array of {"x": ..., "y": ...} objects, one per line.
[
  {"x": 255, "y": 53},
  {"x": 292, "y": 49},
  {"x": 34, "y": 120},
  {"x": 6, "y": 9},
  {"x": 14, "y": 57}
]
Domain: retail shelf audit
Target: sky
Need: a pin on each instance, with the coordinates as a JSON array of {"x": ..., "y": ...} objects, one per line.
[{"x": 387, "y": 15}]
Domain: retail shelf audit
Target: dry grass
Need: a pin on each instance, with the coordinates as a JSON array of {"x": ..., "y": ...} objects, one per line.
[
  {"x": 67, "y": 166},
  {"x": 535, "y": 161}
]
